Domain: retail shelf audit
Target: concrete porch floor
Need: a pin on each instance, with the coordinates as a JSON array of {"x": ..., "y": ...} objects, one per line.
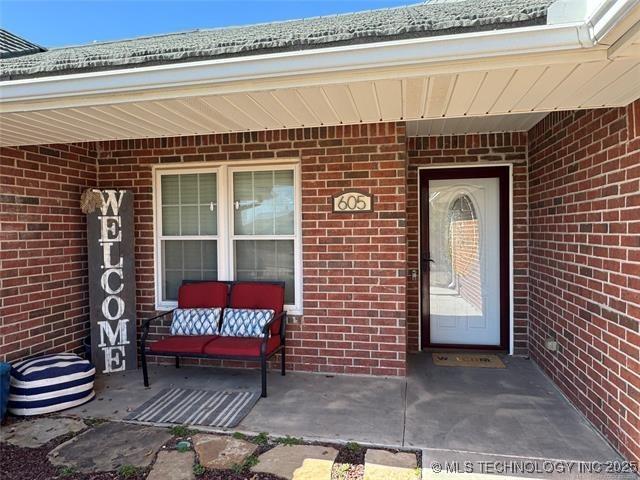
[{"x": 450, "y": 413}]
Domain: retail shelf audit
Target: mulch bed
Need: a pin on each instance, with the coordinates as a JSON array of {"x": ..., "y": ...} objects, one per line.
[{"x": 20, "y": 463}]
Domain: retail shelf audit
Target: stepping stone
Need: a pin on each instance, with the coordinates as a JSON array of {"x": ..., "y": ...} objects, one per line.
[
  {"x": 37, "y": 432},
  {"x": 109, "y": 446},
  {"x": 221, "y": 452},
  {"x": 383, "y": 465},
  {"x": 173, "y": 465},
  {"x": 299, "y": 462}
]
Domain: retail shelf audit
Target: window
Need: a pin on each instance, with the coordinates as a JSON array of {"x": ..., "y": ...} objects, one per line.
[{"x": 228, "y": 222}]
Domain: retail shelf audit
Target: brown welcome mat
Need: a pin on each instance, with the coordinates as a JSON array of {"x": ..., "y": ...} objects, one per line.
[{"x": 478, "y": 360}]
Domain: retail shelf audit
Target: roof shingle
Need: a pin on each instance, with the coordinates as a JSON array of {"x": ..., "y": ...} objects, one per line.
[{"x": 429, "y": 19}]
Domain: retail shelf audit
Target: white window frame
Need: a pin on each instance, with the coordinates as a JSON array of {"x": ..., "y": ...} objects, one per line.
[{"x": 225, "y": 236}]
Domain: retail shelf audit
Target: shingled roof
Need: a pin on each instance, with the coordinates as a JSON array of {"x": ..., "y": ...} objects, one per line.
[
  {"x": 423, "y": 20},
  {"x": 11, "y": 45}
]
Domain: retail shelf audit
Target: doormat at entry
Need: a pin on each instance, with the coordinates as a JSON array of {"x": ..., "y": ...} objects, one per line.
[
  {"x": 477, "y": 360},
  {"x": 196, "y": 407}
]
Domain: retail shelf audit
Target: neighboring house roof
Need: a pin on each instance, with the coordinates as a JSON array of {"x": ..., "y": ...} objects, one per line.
[
  {"x": 12, "y": 45},
  {"x": 429, "y": 19}
]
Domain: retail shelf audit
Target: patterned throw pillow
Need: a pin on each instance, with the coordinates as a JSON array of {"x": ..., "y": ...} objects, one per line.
[
  {"x": 244, "y": 322},
  {"x": 195, "y": 321}
]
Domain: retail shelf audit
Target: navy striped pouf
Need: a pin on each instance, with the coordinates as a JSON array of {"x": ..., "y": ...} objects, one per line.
[{"x": 50, "y": 383}]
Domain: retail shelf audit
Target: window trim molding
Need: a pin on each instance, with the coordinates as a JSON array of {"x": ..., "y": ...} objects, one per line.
[{"x": 224, "y": 170}]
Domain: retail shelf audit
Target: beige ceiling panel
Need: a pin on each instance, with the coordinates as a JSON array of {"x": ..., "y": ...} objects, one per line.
[
  {"x": 521, "y": 82},
  {"x": 85, "y": 116},
  {"x": 342, "y": 103},
  {"x": 177, "y": 112},
  {"x": 438, "y": 95},
  {"x": 389, "y": 93},
  {"x": 122, "y": 117},
  {"x": 553, "y": 75},
  {"x": 597, "y": 82},
  {"x": 293, "y": 102},
  {"x": 162, "y": 118},
  {"x": 249, "y": 107},
  {"x": 14, "y": 126},
  {"x": 464, "y": 93},
  {"x": 366, "y": 99},
  {"x": 317, "y": 102},
  {"x": 492, "y": 87},
  {"x": 414, "y": 92},
  {"x": 207, "y": 115},
  {"x": 576, "y": 79},
  {"x": 54, "y": 121},
  {"x": 622, "y": 87},
  {"x": 221, "y": 105},
  {"x": 270, "y": 104}
]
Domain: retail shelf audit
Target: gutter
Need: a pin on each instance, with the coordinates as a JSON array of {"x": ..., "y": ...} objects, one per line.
[{"x": 343, "y": 63}]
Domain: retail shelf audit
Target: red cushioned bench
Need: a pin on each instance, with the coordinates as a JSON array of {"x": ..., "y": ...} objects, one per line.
[{"x": 244, "y": 296}]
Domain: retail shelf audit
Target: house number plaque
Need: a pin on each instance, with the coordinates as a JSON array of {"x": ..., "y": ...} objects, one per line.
[{"x": 353, "y": 201}]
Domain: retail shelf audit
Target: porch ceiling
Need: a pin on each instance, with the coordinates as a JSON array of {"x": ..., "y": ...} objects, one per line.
[
  {"x": 504, "y": 91},
  {"x": 454, "y": 82},
  {"x": 515, "y": 122}
]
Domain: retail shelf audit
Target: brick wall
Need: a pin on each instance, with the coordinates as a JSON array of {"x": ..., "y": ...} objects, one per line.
[
  {"x": 43, "y": 266},
  {"x": 510, "y": 147},
  {"x": 584, "y": 170},
  {"x": 354, "y": 265}
]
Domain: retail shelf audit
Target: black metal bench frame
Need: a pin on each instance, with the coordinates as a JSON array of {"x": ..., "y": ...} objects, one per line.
[{"x": 262, "y": 358}]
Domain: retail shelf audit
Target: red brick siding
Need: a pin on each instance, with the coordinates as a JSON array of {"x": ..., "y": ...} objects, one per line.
[
  {"x": 43, "y": 266},
  {"x": 510, "y": 147},
  {"x": 354, "y": 265},
  {"x": 584, "y": 170}
]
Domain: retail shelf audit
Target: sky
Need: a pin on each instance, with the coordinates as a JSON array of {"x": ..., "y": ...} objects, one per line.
[{"x": 60, "y": 23}]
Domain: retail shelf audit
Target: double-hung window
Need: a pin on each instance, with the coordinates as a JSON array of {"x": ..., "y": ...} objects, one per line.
[{"x": 228, "y": 222}]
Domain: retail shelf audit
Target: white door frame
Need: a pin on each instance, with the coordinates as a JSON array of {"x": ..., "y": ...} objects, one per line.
[{"x": 468, "y": 165}]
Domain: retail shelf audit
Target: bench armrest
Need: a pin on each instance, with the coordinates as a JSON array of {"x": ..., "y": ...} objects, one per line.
[
  {"x": 282, "y": 315},
  {"x": 147, "y": 322},
  {"x": 265, "y": 330}
]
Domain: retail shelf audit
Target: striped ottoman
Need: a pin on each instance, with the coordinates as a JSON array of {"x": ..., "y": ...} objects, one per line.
[{"x": 50, "y": 383}]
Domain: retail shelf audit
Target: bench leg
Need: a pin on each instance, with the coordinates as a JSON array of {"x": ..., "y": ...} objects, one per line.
[
  {"x": 282, "y": 362},
  {"x": 263, "y": 367},
  {"x": 145, "y": 374},
  {"x": 177, "y": 362}
]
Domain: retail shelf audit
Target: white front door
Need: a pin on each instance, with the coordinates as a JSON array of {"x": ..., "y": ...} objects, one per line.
[{"x": 464, "y": 261}]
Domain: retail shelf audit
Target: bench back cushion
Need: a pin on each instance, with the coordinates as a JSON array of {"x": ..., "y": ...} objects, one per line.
[
  {"x": 203, "y": 295},
  {"x": 244, "y": 322},
  {"x": 196, "y": 321},
  {"x": 259, "y": 296}
]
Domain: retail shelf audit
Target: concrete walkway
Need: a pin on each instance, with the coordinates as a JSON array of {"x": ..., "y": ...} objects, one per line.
[{"x": 450, "y": 413}]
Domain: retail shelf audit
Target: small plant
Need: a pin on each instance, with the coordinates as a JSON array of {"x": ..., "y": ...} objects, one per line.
[
  {"x": 67, "y": 472},
  {"x": 181, "y": 431},
  {"x": 239, "y": 436},
  {"x": 94, "y": 422},
  {"x": 250, "y": 461},
  {"x": 198, "y": 470},
  {"x": 128, "y": 471},
  {"x": 353, "y": 447},
  {"x": 290, "y": 441},
  {"x": 261, "y": 439}
]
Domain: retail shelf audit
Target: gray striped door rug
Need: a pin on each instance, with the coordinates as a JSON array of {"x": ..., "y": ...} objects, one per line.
[{"x": 196, "y": 407}]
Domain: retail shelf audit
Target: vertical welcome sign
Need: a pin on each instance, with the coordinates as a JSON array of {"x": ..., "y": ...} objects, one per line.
[{"x": 112, "y": 286}]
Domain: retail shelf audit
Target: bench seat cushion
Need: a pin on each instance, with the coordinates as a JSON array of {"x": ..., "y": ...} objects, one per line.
[
  {"x": 182, "y": 344},
  {"x": 240, "y": 346}
]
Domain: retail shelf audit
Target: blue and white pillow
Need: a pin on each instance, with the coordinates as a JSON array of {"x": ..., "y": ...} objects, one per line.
[
  {"x": 195, "y": 321},
  {"x": 245, "y": 322}
]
